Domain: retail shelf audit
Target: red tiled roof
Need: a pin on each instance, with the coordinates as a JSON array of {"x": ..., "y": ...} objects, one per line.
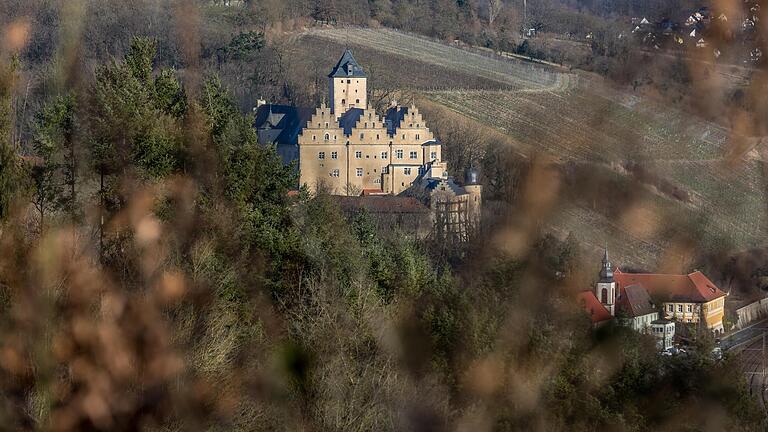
[
  {"x": 382, "y": 204},
  {"x": 597, "y": 312},
  {"x": 694, "y": 287}
]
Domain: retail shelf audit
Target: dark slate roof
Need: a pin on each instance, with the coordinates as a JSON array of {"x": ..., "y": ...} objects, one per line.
[
  {"x": 383, "y": 204},
  {"x": 635, "y": 301},
  {"x": 291, "y": 120},
  {"x": 393, "y": 117},
  {"x": 432, "y": 184},
  {"x": 347, "y": 67},
  {"x": 349, "y": 119}
]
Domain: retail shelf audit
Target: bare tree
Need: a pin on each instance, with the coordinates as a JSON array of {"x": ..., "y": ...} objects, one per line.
[{"x": 494, "y": 9}]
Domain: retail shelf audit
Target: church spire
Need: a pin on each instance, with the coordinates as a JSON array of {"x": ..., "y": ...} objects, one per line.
[{"x": 606, "y": 272}]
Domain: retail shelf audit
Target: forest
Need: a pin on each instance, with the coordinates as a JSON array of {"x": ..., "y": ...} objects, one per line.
[{"x": 156, "y": 273}]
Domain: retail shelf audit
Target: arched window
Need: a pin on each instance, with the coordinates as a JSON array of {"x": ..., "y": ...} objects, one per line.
[
  {"x": 357, "y": 101},
  {"x": 604, "y": 296},
  {"x": 343, "y": 101},
  {"x": 327, "y": 137}
]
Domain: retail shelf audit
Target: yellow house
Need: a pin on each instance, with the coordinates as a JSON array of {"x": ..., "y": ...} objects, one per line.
[{"x": 691, "y": 298}]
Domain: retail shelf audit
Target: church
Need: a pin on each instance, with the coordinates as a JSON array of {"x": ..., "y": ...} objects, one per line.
[
  {"x": 348, "y": 149},
  {"x": 648, "y": 302}
]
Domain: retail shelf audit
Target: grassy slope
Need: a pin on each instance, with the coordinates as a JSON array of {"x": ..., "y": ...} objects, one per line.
[{"x": 582, "y": 120}]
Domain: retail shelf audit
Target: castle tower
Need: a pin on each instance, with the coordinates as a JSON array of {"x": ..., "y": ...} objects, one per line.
[
  {"x": 348, "y": 85},
  {"x": 475, "y": 190},
  {"x": 605, "y": 290}
]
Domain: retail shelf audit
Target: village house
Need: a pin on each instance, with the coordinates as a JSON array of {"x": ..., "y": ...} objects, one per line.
[
  {"x": 647, "y": 302},
  {"x": 347, "y": 149}
]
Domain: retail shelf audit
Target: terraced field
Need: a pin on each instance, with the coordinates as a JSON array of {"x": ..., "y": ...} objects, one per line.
[
  {"x": 519, "y": 75},
  {"x": 580, "y": 119},
  {"x": 578, "y": 125}
]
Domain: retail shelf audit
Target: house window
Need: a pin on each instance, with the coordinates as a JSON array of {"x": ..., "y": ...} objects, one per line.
[
  {"x": 399, "y": 154},
  {"x": 433, "y": 155},
  {"x": 421, "y": 170},
  {"x": 671, "y": 308},
  {"x": 407, "y": 171},
  {"x": 414, "y": 155},
  {"x": 335, "y": 173},
  {"x": 377, "y": 181},
  {"x": 359, "y": 172},
  {"x": 358, "y": 155},
  {"x": 334, "y": 155},
  {"x": 679, "y": 308},
  {"x": 383, "y": 155},
  {"x": 321, "y": 155},
  {"x": 690, "y": 308}
]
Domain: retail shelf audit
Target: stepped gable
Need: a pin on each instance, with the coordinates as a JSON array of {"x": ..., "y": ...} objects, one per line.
[{"x": 690, "y": 288}]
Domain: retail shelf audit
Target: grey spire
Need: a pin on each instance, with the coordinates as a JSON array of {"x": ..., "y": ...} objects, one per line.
[{"x": 606, "y": 272}]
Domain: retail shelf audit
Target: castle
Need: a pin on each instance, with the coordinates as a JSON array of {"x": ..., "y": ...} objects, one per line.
[{"x": 348, "y": 149}]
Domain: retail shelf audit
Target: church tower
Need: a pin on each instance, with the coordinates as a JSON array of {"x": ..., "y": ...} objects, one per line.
[
  {"x": 605, "y": 290},
  {"x": 348, "y": 85}
]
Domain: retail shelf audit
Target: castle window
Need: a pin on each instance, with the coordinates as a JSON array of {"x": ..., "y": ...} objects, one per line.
[
  {"x": 399, "y": 154},
  {"x": 417, "y": 136},
  {"x": 358, "y": 155},
  {"x": 327, "y": 137},
  {"x": 377, "y": 137},
  {"x": 362, "y": 135},
  {"x": 414, "y": 155},
  {"x": 403, "y": 137},
  {"x": 604, "y": 296},
  {"x": 314, "y": 137},
  {"x": 343, "y": 102},
  {"x": 326, "y": 124},
  {"x": 334, "y": 155},
  {"x": 384, "y": 170},
  {"x": 407, "y": 171},
  {"x": 357, "y": 101},
  {"x": 383, "y": 155},
  {"x": 359, "y": 172},
  {"x": 321, "y": 155},
  {"x": 433, "y": 155},
  {"x": 377, "y": 181},
  {"x": 421, "y": 170},
  {"x": 366, "y": 125},
  {"x": 410, "y": 125},
  {"x": 349, "y": 81},
  {"x": 335, "y": 173}
]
